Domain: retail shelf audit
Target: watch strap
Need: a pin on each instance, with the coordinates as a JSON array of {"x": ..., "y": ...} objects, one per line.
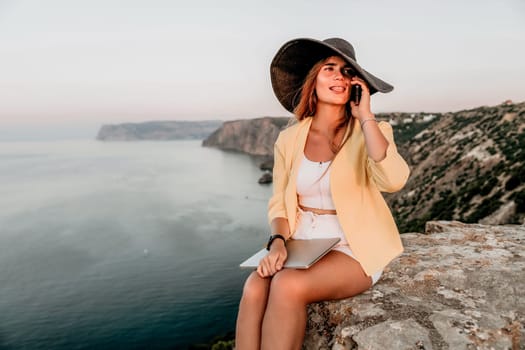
[{"x": 273, "y": 238}]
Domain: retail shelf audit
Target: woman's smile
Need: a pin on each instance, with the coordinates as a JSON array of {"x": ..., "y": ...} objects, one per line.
[{"x": 338, "y": 89}]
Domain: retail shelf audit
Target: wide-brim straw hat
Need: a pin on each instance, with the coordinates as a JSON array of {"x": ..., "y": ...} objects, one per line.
[{"x": 295, "y": 58}]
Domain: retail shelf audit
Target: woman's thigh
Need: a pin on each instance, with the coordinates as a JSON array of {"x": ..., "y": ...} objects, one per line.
[{"x": 335, "y": 276}]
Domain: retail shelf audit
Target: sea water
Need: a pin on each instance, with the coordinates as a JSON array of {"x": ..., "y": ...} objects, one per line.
[{"x": 124, "y": 245}]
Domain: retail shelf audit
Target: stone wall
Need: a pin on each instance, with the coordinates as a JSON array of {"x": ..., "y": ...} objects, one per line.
[{"x": 457, "y": 286}]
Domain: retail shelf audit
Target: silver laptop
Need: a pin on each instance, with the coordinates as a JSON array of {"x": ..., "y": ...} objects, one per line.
[{"x": 302, "y": 253}]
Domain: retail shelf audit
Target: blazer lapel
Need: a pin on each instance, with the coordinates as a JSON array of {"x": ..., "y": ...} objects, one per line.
[
  {"x": 297, "y": 148},
  {"x": 345, "y": 169},
  {"x": 300, "y": 142}
]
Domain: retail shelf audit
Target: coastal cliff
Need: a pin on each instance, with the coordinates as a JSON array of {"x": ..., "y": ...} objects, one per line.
[
  {"x": 252, "y": 136},
  {"x": 158, "y": 130},
  {"x": 456, "y": 286},
  {"x": 467, "y": 166}
]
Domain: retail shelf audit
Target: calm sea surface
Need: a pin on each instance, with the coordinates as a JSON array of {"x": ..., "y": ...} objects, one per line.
[{"x": 123, "y": 245}]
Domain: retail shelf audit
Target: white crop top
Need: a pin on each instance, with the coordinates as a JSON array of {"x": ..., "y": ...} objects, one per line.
[{"x": 313, "y": 188}]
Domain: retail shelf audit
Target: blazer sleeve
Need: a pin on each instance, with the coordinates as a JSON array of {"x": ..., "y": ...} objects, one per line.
[
  {"x": 391, "y": 173},
  {"x": 276, "y": 205}
]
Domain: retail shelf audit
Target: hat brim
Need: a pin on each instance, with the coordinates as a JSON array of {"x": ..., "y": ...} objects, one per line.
[{"x": 294, "y": 60}]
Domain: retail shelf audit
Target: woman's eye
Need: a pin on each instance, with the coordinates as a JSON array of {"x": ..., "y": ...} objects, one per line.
[{"x": 349, "y": 72}]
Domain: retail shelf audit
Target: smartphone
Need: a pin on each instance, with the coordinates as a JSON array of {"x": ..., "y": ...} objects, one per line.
[{"x": 355, "y": 94}]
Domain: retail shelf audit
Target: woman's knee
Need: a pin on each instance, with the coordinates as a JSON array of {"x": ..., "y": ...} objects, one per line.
[
  {"x": 255, "y": 289},
  {"x": 287, "y": 285}
]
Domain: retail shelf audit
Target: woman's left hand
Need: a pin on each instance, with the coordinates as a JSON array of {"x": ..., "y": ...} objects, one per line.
[{"x": 361, "y": 111}]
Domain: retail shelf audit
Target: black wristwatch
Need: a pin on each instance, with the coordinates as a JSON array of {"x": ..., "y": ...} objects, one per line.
[{"x": 272, "y": 238}]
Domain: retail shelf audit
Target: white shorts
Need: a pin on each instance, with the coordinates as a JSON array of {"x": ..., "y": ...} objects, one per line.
[{"x": 310, "y": 225}]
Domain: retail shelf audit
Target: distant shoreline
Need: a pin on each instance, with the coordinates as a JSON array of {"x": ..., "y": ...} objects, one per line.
[{"x": 158, "y": 130}]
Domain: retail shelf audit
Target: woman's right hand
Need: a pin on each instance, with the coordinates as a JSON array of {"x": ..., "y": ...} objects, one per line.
[{"x": 273, "y": 262}]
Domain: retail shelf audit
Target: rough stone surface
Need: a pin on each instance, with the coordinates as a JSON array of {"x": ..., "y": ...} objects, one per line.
[
  {"x": 456, "y": 286},
  {"x": 266, "y": 178},
  {"x": 405, "y": 334}
]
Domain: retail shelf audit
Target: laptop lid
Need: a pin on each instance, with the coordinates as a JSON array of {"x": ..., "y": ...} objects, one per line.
[{"x": 302, "y": 253}]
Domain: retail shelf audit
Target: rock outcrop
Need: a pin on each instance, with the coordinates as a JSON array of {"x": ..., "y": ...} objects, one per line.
[
  {"x": 456, "y": 287},
  {"x": 252, "y": 136},
  {"x": 467, "y": 166},
  {"x": 158, "y": 130}
]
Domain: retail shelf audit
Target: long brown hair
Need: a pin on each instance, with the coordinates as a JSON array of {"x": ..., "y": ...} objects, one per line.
[{"x": 307, "y": 106}]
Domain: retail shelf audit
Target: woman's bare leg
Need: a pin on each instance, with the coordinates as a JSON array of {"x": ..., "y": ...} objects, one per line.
[
  {"x": 251, "y": 312},
  {"x": 336, "y": 276}
]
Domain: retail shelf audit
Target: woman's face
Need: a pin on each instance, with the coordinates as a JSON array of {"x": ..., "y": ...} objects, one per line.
[{"x": 332, "y": 86}]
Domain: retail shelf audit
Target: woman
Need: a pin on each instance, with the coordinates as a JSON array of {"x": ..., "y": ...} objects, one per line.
[{"x": 329, "y": 170}]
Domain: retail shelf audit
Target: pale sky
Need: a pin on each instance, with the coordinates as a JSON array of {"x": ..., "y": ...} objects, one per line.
[{"x": 87, "y": 62}]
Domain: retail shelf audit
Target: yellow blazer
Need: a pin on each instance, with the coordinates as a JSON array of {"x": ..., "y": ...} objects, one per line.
[{"x": 355, "y": 181}]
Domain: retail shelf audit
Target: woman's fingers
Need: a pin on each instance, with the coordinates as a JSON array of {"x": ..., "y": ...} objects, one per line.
[
  {"x": 263, "y": 269},
  {"x": 358, "y": 81},
  {"x": 271, "y": 264},
  {"x": 266, "y": 267},
  {"x": 280, "y": 261},
  {"x": 278, "y": 265},
  {"x": 260, "y": 271},
  {"x": 363, "y": 108}
]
